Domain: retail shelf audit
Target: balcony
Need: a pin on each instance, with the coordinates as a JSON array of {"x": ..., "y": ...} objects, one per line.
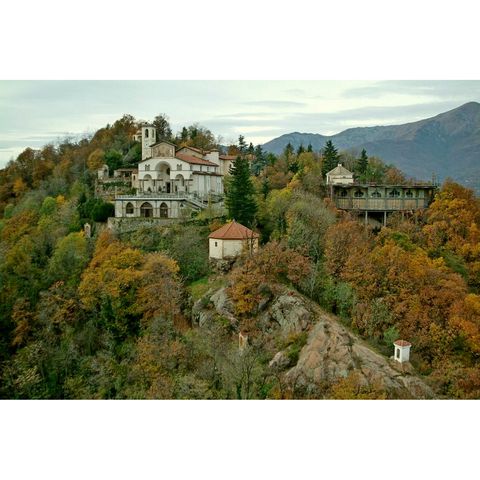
[{"x": 380, "y": 204}]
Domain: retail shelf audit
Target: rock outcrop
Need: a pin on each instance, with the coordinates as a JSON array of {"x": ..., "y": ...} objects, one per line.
[
  {"x": 330, "y": 354},
  {"x": 291, "y": 313}
]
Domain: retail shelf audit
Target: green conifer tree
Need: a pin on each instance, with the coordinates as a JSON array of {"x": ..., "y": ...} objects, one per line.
[
  {"x": 362, "y": 164},
  {"x": 330, "y": 157},
  {"x": 240, "y": 196},
  {"x": 288, "y": 150}
]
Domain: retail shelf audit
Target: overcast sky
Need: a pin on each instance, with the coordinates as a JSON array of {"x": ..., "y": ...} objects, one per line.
[{"x": 33, "y": 113}]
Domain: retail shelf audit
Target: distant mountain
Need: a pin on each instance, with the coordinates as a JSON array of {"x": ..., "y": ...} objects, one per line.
[{"x": 447, "y": 144}]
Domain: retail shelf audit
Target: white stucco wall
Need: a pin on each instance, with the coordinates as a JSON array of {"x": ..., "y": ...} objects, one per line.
[
  {"x": 402, "y": 354},
  {"x": 232, "y": 248},
  {"x": 215, "y": 248},
  {"x": 229, "y": 248},
  {"x": 213, "y": 157},
  {"x": 147, "y": 141},
  {"x": 339, "y": 179}
]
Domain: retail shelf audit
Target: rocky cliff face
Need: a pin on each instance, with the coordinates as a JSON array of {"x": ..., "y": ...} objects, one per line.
[
  {"x": 332, "y": 353},
  {"x": 327, "y": 352}
]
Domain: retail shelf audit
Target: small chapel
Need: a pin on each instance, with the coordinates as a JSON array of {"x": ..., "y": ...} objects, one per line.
[{"x": 231, "y": 240}]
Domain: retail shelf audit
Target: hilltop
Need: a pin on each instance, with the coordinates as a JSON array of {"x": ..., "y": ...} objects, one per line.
[{"x": 313, "y": 313}]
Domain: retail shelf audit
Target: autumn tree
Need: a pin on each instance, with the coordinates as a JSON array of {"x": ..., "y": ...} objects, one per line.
[
  {"x": 96, "y": 159},
  {"x": 162, "y": 126},
  {"x": 273, "y": 263},
  {"x": 69, "y": 258}
]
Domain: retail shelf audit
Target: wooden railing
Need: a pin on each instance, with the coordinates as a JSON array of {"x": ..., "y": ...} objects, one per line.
[{"x": 380, "y": 204}]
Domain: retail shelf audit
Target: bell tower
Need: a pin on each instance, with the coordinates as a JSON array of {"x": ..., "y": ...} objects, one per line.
[{"x": 149, "y": 137}]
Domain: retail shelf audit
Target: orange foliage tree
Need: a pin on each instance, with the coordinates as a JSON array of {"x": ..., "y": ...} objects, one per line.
[
  {"x": 453, "y": 224},
  {"x": 273, "y": 263}
]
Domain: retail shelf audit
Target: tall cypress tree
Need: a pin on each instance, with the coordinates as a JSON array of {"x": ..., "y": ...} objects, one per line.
[
  {"x": 240, "y": 199},
  {"x": 362, "y": 163},
  {"x": 330, "y": 157}
]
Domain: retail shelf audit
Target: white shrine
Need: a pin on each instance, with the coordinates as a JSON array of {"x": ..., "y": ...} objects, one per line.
[{"x": 402, "y": 351}]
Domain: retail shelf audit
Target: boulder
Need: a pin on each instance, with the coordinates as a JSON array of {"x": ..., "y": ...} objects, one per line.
[{"x": 291, "y": 313}]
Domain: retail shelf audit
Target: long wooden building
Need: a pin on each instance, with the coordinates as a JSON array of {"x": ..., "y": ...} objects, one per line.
[{"x": 371, "y": 198}]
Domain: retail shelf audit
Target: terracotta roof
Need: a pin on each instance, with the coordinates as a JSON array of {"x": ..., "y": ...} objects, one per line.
[
  {"x": 402, "y": 343},
  {"x": 194, "y": 160},
  {"x": 195, "y": 149},
  {"x": 233, "y": 231}
]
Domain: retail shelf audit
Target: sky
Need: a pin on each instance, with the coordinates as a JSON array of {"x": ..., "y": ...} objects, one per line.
[{"x": 33, "y": 113}]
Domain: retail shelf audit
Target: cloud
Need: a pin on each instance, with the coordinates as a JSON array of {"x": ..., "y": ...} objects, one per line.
[
  {"x": 34, "y": 113},
  {"x": 466, "y": 89},
  {"x": 274, "y": 104},
  {"x": 299, "y": 92}
]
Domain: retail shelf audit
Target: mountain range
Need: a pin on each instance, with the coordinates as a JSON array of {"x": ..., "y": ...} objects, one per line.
[{"x": 447, "y": 144}]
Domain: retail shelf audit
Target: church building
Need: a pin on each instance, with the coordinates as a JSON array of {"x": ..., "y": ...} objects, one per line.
[{"x": 170, "y": 180}]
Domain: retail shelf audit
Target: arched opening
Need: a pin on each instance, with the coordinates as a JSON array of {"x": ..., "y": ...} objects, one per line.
[
  {"x": 163, "y": 176},
  {"x": 163, "y": 210},
  {"x": 129, "y": 208},
  {"x": 146, "y": 133},
  {"x": 376, "y": 194},
  {"x": 147, "y": 183},
  {"x": 394, "y": 193},
  {"x": 409, "y": 194},
  {"x": 343, "y": 193},
  {"x": 179, "y": 183},
  {"x": 146, "y": 210},
  {"x": 358, "y": 194}
]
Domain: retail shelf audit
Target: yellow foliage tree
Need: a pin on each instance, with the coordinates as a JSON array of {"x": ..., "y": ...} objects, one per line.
[
  {"x": 96, "y": 159},
  {"x": 19, "y": 187}
]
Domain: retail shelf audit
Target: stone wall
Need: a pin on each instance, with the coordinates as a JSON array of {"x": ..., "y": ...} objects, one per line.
[{"x": 124, "y": 225}]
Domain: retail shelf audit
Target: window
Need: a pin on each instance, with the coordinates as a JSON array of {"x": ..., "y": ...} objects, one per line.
[
  {"x": 398, "y": 353},
  {"x": 216, "y": 244},
  {"x": 358, "y": 194},
  {"x": 409, "y": 194},
  {"x": 394, "y": 193},
  {"x": 146, "y": 210},
  {"x": 146, "y": 133},
  {"x": 163, "y": 210},
  {"x": 376, "y": 194},
  {"x": 179, "y": 166},
  {"x": 147, "y": 168},
  {"x": 343, "y": 193},
  {"x": 168, "y": 171},
  {"x": 129, "y": 208}
]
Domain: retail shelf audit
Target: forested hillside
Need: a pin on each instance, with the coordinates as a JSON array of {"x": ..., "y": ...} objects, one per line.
[{"x": 144, "y": 315}]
